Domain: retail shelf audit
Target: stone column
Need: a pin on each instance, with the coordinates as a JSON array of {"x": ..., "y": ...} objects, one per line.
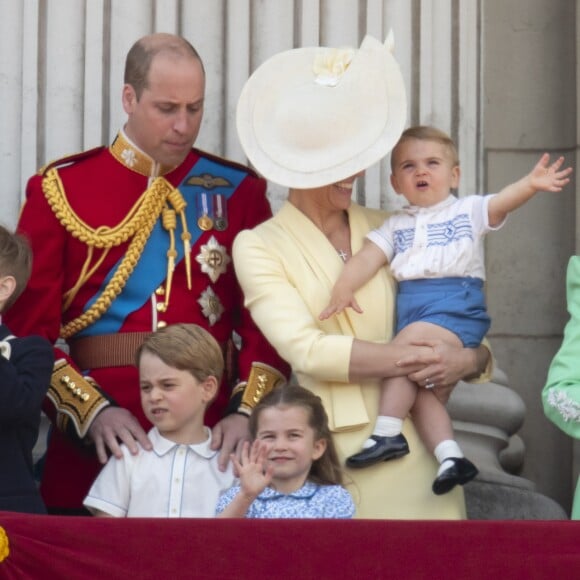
[
  {"x": 486, "y": 419},
  {"x": 528, "y": 107}
]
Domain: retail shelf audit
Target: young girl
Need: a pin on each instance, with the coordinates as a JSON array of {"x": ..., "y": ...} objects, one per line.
[{"x": 292, "y": 469}]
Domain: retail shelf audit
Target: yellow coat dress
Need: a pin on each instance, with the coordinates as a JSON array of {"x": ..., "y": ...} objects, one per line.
[{"x": 287, "y": 267}]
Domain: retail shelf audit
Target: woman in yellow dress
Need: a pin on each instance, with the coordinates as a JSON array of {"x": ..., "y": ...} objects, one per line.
[{"x": 313, "y": 119}]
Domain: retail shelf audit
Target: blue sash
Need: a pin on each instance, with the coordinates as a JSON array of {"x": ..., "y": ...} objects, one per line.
[{"x": 151, "y": 270}]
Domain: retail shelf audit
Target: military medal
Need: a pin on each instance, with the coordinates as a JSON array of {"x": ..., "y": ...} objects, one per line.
[
  {"x": 213, "y": 258},
  {"x": 220, "y": 212},
  {"x": 211, "y": 306},
  {"x": 204, "y": 220},
  {"x": 205, "y": 223}
]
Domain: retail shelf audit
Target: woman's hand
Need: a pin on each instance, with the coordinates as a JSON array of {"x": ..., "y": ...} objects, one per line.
[{"x": 454, "y": 364}]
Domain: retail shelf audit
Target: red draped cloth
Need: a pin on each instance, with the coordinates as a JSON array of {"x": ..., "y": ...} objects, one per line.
[{"x": 58, "y": 547}]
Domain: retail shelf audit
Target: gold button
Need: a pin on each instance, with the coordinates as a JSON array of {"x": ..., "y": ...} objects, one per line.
[
  {"x": 160, "y": 291},
  {"x": 161, "y": 307},
  {"x": 161, "y": 324}
]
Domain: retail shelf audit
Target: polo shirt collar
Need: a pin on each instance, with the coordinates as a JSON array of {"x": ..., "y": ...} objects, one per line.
[{"x": 161, "y": 445}]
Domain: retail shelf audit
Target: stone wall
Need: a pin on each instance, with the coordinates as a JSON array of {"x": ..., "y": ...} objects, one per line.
[{"x": 529, "y": 106}]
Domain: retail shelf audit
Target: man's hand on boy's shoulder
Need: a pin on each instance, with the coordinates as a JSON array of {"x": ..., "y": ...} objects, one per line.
[
  {"x": 228, "y": 436},
  {"x": 114, "y": 426}
]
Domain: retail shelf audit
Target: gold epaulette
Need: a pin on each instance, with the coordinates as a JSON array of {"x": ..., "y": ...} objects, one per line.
[
  {"x": 76, "y": 398},
  {"x": 263, "y": 378},
  {"x": 69, "y": 159}
]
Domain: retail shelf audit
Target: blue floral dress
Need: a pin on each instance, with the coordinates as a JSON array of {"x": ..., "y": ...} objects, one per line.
[{"x": 310, "y": 501}]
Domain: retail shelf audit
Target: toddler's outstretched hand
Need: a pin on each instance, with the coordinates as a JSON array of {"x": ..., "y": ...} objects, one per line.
[
  {"x": 252, "y": 470},
  {"x": 338, "y": 302},
  {"x": 548, "y": 177}
]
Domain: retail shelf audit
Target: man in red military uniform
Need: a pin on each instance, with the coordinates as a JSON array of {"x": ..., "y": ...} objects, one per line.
[{"x": 128, "y": 239}]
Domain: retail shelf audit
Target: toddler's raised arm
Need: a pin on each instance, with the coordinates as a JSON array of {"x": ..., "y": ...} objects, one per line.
[{"x": 543, "y": 177}]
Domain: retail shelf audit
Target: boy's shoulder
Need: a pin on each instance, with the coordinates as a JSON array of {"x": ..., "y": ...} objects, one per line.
[
  {"x": 135, "y": 462},
  {"x": 21, "y": 346},
  {"x": 31, "y": 340}
]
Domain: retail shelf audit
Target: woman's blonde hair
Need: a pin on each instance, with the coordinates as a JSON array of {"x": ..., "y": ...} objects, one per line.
[
  {"x": 187, "y": 347},
  {"x": 326, "y": 469}
]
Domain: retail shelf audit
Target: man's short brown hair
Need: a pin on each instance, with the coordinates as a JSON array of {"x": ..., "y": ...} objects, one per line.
[{"x": 142, "y": 53}]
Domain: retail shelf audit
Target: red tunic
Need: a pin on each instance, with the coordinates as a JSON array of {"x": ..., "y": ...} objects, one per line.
[{"x": 101, "y": 189}]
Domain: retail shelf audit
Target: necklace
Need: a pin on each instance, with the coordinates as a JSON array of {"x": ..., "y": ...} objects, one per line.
[{"x": 338, "y": 234}]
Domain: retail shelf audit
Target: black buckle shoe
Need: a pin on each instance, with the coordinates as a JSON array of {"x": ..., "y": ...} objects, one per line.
[
  {"x": 461, "y": 472},
  {"x": 385, "y": 448}
]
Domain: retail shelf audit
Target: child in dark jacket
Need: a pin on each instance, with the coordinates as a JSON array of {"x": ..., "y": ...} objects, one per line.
[{"x": 25, "y": 369}]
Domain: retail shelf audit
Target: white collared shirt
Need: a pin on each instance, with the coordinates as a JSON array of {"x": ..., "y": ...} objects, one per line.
[
  {"x": 172, "y": 480},
  {"x": 444, "y": 240}
]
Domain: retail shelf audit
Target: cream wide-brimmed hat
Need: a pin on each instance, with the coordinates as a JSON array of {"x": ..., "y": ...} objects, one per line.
[{"x": 313, "y": 116}]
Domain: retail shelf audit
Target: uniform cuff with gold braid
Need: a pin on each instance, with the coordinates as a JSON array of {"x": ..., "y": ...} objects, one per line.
[
  {"x": 263, "y": 378},
  {"x": 77, "y": 399},
  {"x": 236, "y": 400}
]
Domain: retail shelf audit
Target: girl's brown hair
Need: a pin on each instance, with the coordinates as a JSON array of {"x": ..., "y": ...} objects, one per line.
[{"x": 326, "y": 469}]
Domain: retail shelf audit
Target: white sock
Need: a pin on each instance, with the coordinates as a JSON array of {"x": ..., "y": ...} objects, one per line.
[
  {"x": 444, "y": 452},
  {"x": 385, "y": 427}
]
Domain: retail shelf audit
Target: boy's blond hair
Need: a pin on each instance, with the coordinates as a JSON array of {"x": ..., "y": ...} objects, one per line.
[
  {"x": 426, "y": 133},
  {"x": 15, "y": 261},
  {"x": 187, "y": 347}
]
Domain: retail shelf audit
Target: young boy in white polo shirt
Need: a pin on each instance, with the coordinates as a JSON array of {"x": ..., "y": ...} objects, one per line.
[
  {"x": 434, "y": 247},
  {"x": 180, "y": 369}
]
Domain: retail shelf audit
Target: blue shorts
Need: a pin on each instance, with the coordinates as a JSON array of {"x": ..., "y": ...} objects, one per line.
[{"x": 457, "y": 304}]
